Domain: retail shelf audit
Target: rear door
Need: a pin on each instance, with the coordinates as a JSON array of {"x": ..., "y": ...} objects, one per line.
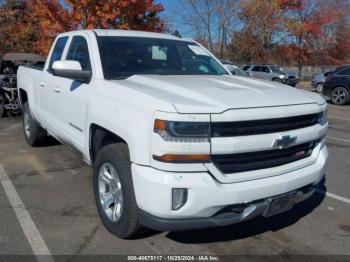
[
  {"x": 48, "y": 87},
  {"x": 255, "y": 71},
  {"x": 265, "y": 73}
]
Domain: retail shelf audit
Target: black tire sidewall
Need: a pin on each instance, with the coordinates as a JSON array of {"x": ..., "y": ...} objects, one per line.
[
  {"x": 347, "y": 95},
  {"x": 277, "y": 80},
  {"x": 128, "y": 222},
  {"x": 2, "y": 105},
  {"x": 26, "y": 110},
  {"x": 37, "y": 133}
]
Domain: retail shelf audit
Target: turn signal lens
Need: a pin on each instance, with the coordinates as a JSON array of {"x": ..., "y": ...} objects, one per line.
[
  {"x": 168, "y": 158},
  {"x": 159, "y": 125}
]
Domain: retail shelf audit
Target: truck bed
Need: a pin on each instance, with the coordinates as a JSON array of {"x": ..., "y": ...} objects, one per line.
[{"x": 35, "y": 66}]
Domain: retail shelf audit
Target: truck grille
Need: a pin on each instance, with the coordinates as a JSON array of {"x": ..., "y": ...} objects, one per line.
[
  {"x": 242, "y": 162},
  {"x": 264, "y": 126}
]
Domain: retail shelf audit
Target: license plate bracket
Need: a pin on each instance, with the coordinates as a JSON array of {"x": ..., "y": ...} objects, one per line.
[{"x": 280, "y": 204}]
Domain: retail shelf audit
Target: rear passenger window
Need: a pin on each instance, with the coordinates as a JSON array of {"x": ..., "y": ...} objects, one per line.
[
  {"x": 265, "y": 69},
  {"x": 79, "y": 51},
  {"x": 256, "y": 68},
  {"x": 57, "y": 51}
]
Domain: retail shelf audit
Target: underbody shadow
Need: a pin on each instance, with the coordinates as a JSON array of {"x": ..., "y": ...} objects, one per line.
[
  {"x": 48, "y": 141},
  {"x": 255, "y": 226}
]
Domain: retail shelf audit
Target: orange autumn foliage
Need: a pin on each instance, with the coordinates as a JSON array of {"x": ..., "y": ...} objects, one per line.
[{"x": 31, "y": 25}]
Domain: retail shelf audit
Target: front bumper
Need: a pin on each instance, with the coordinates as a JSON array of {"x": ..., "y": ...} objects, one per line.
[
  {"x": 228, "y": 216},
  {"x": 313, "y": 84},
  {"x": 207, "y": 197},
  {"x": 292, "y": 81}
]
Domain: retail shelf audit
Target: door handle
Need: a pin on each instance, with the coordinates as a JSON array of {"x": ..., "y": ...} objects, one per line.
[
  {"x": 42, "y": 84},
  {"x": 57, "y": 90}
]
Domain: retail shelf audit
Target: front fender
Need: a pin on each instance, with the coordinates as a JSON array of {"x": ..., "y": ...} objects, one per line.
[{"x": 132, "y": 125}]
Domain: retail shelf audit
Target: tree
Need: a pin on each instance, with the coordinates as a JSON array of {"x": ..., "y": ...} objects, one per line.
[
  {"x": 211, "y": 21},
  {"x": 31, "y": 25},
  {"x": 339, "y": 52},
  {"x": 305, "y": 22},
  {"x": 16, "y": 29},
  {"x": 51, "y": 19},
  {"x": 262, "y": 27},
  {"x": 131, "y": 14}
]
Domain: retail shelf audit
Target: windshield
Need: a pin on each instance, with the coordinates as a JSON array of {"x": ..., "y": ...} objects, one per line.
[
  {"x": 276, "y": 69},
  {"x": 127, "y": 56}
]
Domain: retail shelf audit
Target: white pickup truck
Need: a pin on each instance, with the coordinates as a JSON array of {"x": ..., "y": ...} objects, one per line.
[{"x": 176, "y": 141}]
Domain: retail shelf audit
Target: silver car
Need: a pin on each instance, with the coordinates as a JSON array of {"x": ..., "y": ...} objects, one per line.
[
  {"x": 234, "y": 69},
  {"x": 272, "y": 73},
  {"x": 318, "y": 81}
]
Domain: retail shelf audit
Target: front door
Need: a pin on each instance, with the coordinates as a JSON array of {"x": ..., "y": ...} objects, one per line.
[{"x": 74, "y": 95}]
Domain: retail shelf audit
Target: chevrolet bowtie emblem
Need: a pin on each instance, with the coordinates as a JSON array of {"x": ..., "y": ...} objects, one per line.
[{"x": 284, "y": 142}]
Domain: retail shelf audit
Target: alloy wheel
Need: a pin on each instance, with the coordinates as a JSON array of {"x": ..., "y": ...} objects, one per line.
[
  {"x": 110, "y": 192},
  {"x": 338, "y": 96},
  {"x": 319, "y": 88},
  {"x": 26, "y": 124}
]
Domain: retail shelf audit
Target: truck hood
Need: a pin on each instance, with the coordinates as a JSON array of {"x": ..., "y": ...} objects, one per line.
[{"x": 215, "y": 94}]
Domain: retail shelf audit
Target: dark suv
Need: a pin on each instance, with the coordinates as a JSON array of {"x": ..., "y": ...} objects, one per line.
[{"x": 337, "y": 85}]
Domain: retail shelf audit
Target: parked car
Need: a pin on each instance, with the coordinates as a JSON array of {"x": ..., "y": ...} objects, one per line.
[
  {"x": 234, "y": 69},
  {"x": 9, "y": 64},
  {"x": 337, "y": 85},
  {"x": 273, "y": 73},
  {"x": 319, "y": 79},
  {"x": 176, "y": 143}
]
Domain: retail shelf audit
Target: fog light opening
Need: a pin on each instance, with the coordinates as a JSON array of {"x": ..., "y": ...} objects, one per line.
[{"x": 179, "y": 198}]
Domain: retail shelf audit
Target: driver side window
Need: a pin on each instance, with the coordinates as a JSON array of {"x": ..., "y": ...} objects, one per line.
[
  {"x": 79, "y": 51},
  {"x": 256, "y": 68}
]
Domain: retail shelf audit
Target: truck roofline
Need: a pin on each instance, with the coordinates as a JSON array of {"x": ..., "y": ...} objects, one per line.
[{"x": 128, "y": 33}]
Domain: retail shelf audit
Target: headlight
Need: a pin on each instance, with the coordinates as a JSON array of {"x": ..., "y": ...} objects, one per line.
[
  {"x": 284, "y": 76},
  {"x": 187, "y": 132},
  {"x": 322, "y": 118}
]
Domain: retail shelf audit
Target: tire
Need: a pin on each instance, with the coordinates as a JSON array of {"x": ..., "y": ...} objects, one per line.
[
  {"x": 277, "y": 80},
  {"x": 10, "y": 113},
  {"x": 2, "y": 105},
  {"x": 119, "y": 211},
  {"x": 340, "y": 96},
  {"x": 319, "y": 87},
  {"x": 34, "y": 134}
]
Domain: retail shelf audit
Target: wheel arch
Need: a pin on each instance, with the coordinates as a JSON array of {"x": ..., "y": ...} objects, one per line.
[
  {"x": 340, "y": 85},
  {"x": 23, "y": 96},
  {"x": 100, "y": 137}
]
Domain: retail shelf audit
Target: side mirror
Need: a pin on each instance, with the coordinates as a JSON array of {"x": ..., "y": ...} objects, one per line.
[{"x": 71, "y": 69}]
